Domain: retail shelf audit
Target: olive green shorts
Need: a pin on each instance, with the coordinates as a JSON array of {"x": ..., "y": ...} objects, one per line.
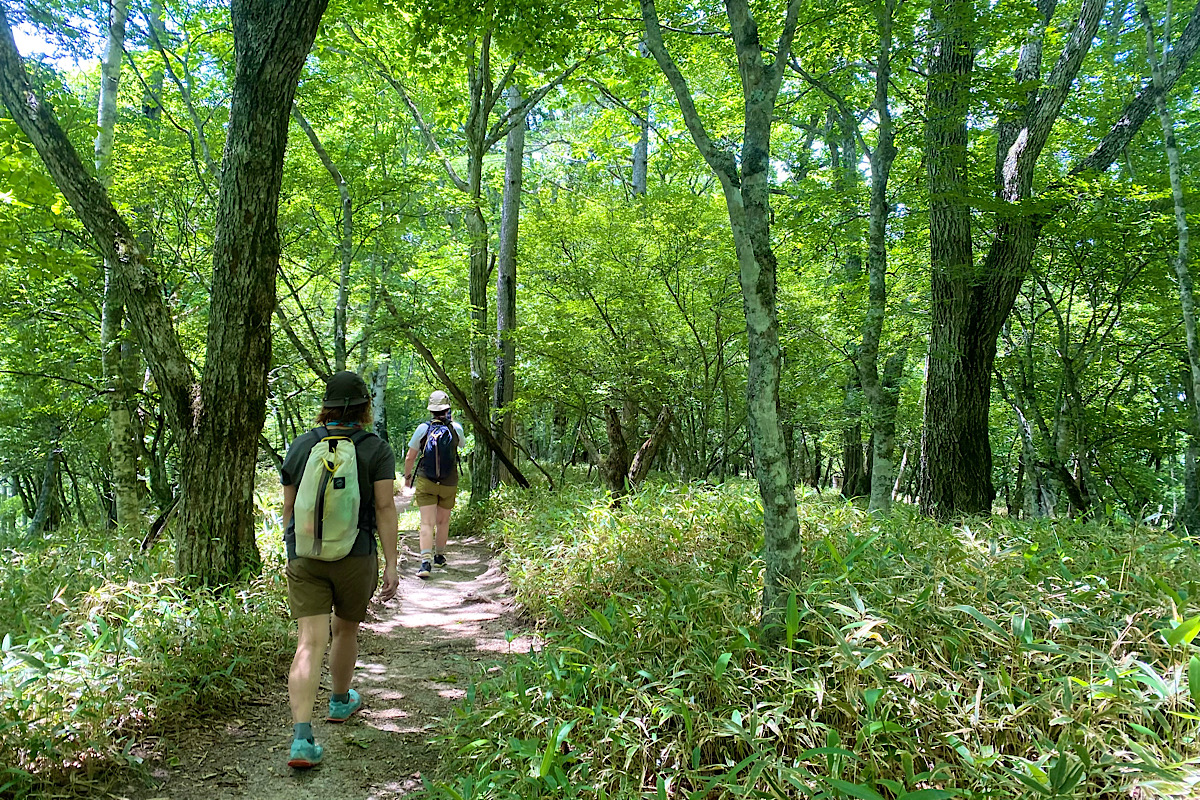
[
  {"x": 344, "y": 587},
  {"x": 428, "y": 493}
]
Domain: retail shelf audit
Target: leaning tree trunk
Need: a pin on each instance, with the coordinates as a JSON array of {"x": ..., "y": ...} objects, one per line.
[
  {"x": 639, "y": 467},
  {"x": 221, "y": 419},
  {"x": 506, "y": 289}
]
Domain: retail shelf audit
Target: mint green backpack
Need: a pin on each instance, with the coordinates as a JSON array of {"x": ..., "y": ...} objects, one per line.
[{"x": 328, "y": 498}]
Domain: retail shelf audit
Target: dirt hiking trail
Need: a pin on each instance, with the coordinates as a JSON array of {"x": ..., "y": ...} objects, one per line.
[{"x": 417, "y": 653}]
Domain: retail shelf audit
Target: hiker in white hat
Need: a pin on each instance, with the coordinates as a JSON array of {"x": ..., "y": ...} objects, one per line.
[{"x": 431, "y": 469}]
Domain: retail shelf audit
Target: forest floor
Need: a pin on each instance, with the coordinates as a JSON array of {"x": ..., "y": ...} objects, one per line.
[{"x": 417, "y": 653}]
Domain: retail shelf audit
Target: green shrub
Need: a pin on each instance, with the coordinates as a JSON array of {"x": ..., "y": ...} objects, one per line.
[
  {"x": 100, "y": 647},
  {"x": 990, "y": 659}
]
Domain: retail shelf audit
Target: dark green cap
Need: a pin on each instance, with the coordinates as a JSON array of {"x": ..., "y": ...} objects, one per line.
[{"x": 345, "y": 389}]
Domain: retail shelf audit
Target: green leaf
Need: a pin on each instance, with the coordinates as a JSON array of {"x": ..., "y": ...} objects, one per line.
[
  {"x": 721, "y": 665},
  {"x": 1194, "y": 680},
  {"x": 854, "y": 789},
  {"x": 1184, "y": 632},
  {"x": 986, "y": 621},
  {"x": 929, "y": 794}
]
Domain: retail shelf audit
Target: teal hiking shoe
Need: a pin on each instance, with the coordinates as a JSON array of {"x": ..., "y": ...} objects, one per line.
[
  {"x": 305, "y": 754},
  {"x": 340, "y": 712}
]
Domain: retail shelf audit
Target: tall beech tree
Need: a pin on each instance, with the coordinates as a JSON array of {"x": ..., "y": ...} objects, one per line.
[
  {"x": 745, "y": 182},
  {"x": 971, "y": 299},
  {"x": 220, "y": 416}
]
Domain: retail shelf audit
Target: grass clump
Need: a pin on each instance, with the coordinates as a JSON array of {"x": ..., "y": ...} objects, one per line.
[
  {"x": 921, "y": 660},
  {"x": 102, "y": 646}
]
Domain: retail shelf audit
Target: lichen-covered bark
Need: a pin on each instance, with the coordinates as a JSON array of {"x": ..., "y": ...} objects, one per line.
[
  {"x": 122, "y": 449},
  {"x": 746, "y": 186}
]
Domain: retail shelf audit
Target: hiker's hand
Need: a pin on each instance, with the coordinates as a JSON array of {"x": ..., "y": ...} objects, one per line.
[{"x": 391, "y": 582}]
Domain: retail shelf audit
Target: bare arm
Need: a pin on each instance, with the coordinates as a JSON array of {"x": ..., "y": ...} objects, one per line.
[
  {"x": 410, "y": 461},
  {"x": 289, "y": 504},
  {"x": 386, "y": 524}
]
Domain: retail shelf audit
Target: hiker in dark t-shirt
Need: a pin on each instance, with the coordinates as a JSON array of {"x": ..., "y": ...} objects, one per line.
[{"x": 343, "y": 587}]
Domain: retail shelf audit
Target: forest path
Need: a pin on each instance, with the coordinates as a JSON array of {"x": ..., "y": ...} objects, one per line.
[{"x": 417, "y": 652}]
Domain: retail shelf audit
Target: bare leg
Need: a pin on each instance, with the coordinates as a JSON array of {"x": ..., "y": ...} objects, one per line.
[
  {"x": 428, "y": 523},
  {"x": 343, "y": 654},
  {"x": 443, "y": 528},
  {"x": 305, "y": 675}
]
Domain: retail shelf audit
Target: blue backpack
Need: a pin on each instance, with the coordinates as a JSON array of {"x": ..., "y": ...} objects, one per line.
[{"x": 439, "y": 454}]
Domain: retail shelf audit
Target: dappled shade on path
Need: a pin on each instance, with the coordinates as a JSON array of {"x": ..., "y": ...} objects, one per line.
[{"x": 417, "y": 654}]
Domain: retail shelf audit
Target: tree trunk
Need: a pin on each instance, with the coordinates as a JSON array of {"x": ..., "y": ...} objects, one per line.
[
  {"x": 379, "y": 382},
  {"x": 970, "y": 302},
  {"x": 954, "y": 476},
  {"x": 345, "y": 247},
  {"x": 219, "y": 420},
  {"x": 882, "y": 393},
  {"x": 745, "y": 182},
  {"x": 641, "y": 150},
  {"x": 506, "y": 288},
  {"x": 121, "y": 446},
  {"x": 46, "y": 497},
  {"x": 1189, "y": 516},
  {"x": 644, "y": 458},
  {"x": 217, "y": 524},
  {"x": 615, "y": 467},
  {"x": 1183, "y": 275}
]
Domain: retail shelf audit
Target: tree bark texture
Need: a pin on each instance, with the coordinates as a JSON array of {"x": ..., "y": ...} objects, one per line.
[
  {"x": 746, "y": 186},
  {"x": 506, "y": 288},
  {"x": 379, "y": 382},
  {"x": 216, "y": 541},
  {"x": 881, "y": 392},
  {"x": 615, "y": 466},
  {"x": 122, "y": 449},
  {"x": 639, "y": 468},
  {"x": 219, "y": 420},
  {"x": 970, "y": 302}
]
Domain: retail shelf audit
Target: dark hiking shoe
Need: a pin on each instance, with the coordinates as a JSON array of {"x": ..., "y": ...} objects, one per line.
[
  {"x": 425, "y": 569},
  {"x": 305, "y": 754},
  {"x": 439, "y": 560}
]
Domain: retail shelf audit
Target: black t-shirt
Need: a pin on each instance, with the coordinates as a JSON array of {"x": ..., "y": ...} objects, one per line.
[{"x": 376, "y": 462}]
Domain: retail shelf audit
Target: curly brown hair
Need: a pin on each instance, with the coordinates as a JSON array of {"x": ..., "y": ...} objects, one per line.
[{"x": 360, "y": 414}]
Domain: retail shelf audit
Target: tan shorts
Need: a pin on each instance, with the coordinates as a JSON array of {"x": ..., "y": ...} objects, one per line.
[
  {"x": 428, "y": 493},
  {"x": 345, "y": 587}
]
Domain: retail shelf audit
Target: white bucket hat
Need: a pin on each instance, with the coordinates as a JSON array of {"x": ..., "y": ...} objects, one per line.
[{"x": 438, "y": 401}]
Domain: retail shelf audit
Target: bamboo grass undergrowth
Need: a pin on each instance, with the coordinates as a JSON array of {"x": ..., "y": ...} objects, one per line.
[
  {"x": 986, "y": 659},
  {"x": 102, "y": 647}
]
